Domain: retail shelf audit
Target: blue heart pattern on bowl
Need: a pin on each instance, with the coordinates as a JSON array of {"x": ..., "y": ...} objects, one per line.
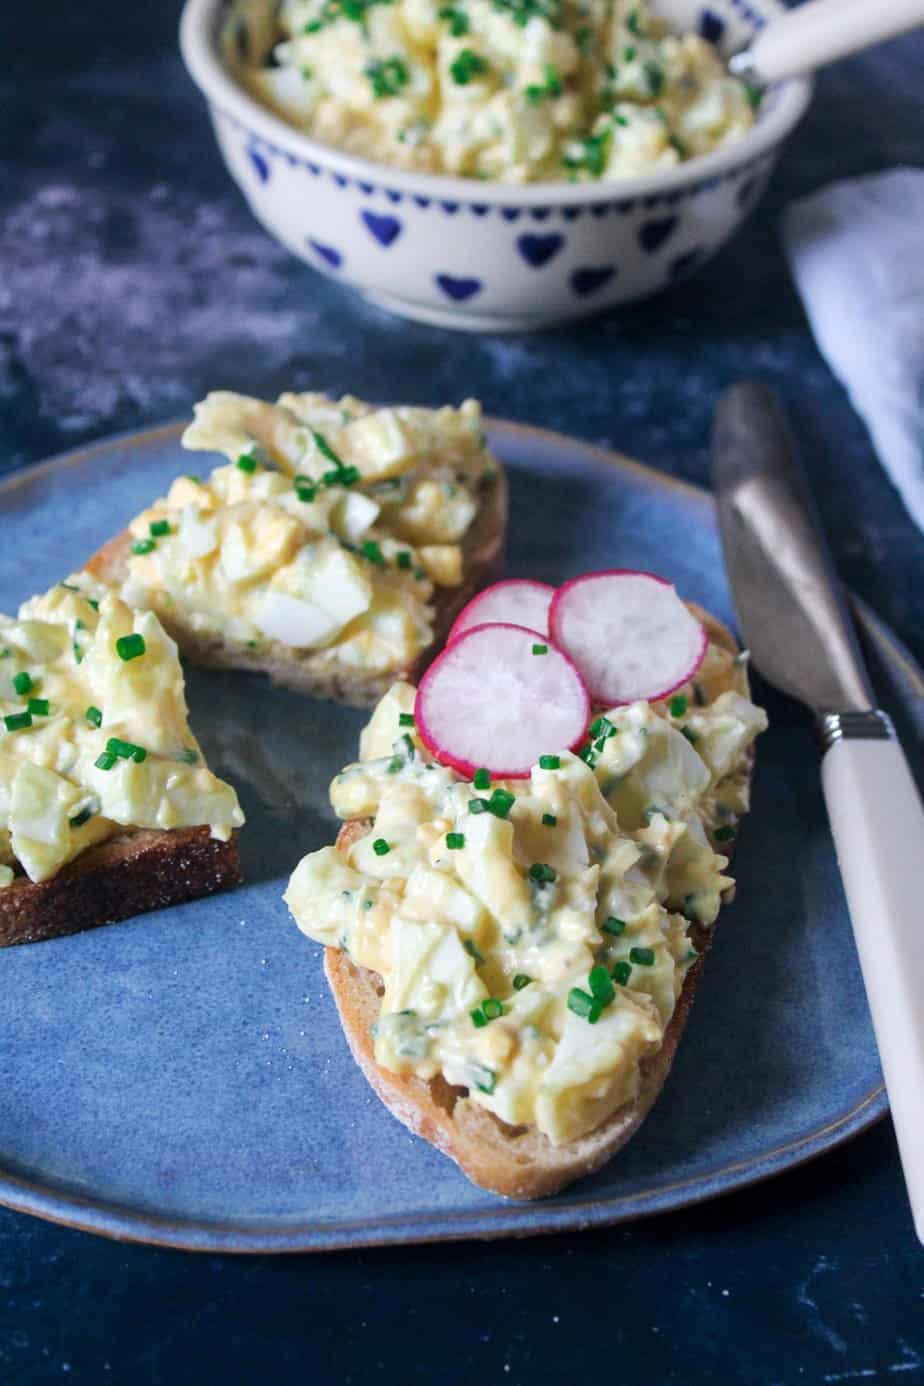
[
  {"x": 259, "y": 164},
  {"x": 588, "y": 280},
  {"x": 327, "y": 253},
  {"x": 653, "y": 234},
  {"x": 385, "y": 229},
  {"x": 458, "y": 289},
  {"x": 539, "y": 250}
]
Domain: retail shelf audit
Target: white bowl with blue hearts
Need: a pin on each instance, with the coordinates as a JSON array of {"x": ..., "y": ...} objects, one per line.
[{"x": 494, "y": 256}]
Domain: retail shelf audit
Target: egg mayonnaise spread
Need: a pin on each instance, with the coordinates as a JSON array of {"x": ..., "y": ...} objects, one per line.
[
  {"x": 94, "y": 735},
  {"x": 513, "y": 90},
  {"x": 328, "y": 532},
  {"x": 533, "y": 936}
]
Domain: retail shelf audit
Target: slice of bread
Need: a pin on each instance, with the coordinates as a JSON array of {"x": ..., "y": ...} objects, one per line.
[
  {"x": 142, "y": 869},
  {"x": 302, "y": 670},
  {"x": 518, "y": 1162}
]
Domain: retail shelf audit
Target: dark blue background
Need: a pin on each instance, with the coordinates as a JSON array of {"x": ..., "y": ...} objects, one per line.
[{"x": 132, "y": 280}]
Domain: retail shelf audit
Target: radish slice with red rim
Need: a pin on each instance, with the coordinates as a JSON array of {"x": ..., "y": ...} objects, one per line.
[
  {"x": 629, "y": 633},
  {"x": 515, "y": 601},
  {"x": 498, "y": 698}
]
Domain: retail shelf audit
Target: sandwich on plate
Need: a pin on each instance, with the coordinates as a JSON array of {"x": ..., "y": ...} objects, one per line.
[
  {"x": 534, "y": 852},
  {"x": 107, "y": 807},
  {"x": 332, "y": 551}
]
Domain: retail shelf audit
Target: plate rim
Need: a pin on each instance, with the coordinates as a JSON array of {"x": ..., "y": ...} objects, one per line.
[{"x": 120, "y": 1222}]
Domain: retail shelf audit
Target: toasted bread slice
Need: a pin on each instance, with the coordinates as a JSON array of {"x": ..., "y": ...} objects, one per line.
[
  {"x": 518, "y": 1162},
  {"x": 482, "y": 553},
  {"x": 135, "y": 871}
]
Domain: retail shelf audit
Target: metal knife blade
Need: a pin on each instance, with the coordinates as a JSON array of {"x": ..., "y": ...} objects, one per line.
[{"x": 789, "y": 603}]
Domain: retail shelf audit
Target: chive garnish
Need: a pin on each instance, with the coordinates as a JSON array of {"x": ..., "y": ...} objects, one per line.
[
  {"x": 543, "y": 873},
  {"x": 38, "y": 707},
  {"x": 105, "y": 761},
  {"x": 305, "y": 488},
  {"x": 487, "y": 1076},
  {"x": 158, "y": 528},
  {"x": 22, "y": 682},
  {"x": 580, "y": 1002},
  {"x": 372, "y": 551},
  {"x": 125, "y": 750},
  {"x": 550, "y": 762},
  {"x": 380, "y": 847},
  {"x": 130, "y": 646},
  {"x": 642, "y": 957},
  {"x": 247, "y": 463},
  {"x": 549, "y": 820},
  {"x": 622, "y": 972},
  {"x": 94, "y": 716},
  {"x": 143, "y": 546},
  {"x": 471, "y": 949},
  {"x": 677, "y": 705},
  {"x": 501, "y": 802},
  {"x": 613, "y": 926},
  {"x": 482, "y": 779},
  {"x": 405, "y": 719},
  {"x": 601, "y": 985},
  {"x": 188, "y": 756},
  {"x": 540, "y": 649},
  {"x": 690, "y": 735},
  {"x": 403, "y": 559},
  {"x": 455, "y": 841},
  {"x": 82, "y": 817},
  {"x": 478, "y": 1018},
  {"x": 520, "y": 981},
  {"x": 18, "y": 721},
  {"x": 478, "y": 806},
  {"x": 467, "y": 65},
  {"x": 492, "y": 1008}
]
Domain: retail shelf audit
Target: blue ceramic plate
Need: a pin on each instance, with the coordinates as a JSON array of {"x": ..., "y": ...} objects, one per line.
[{"x": 181, "y": 1078}]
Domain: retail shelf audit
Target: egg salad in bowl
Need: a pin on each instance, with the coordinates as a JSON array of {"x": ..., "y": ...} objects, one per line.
[
  {"x": 509, "y": 90},
  {"x": 533, "y": 936},
  {"x": 94, "y": 733},
  {"x": 329, "y": 551}
]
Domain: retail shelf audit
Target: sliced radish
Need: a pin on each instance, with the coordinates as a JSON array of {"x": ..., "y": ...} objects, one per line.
[
  {"x": 516, "y": 601},
  {"x": 493, "y": 699},
  {"x": 629, "y": 633}
]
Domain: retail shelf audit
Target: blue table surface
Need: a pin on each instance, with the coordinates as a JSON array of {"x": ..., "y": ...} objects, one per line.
[{"x": 132, "y": 280}]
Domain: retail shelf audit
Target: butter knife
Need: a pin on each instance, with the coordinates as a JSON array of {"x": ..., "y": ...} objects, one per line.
[{"x": 795, "y": 621}]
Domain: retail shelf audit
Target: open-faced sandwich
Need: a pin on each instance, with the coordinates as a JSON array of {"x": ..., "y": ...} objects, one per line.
[
  {"x": 106, "y": 805},
  {"x": 334, "y": 549},
  {"x": 534, "y": 852}
]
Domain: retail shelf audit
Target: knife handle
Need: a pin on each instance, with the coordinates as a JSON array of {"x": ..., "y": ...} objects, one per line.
[{"x": 878, "y": 824}]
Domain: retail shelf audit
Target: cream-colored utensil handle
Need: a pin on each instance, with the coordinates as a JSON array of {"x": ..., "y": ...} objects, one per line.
[
  {"x": 878, "y": 823},
  {"x": 820, "y": 32}
]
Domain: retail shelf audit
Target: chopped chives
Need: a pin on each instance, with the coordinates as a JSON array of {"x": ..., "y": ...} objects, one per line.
[
  {"x": 580, "y": 1002},
  {"x": 380, "y": 847},
  {"x": 247, "y": 463},
  {"x": 549, "y": 820},
  {"x": 601, "y": 727},
  {"x": 38, "y": 707},
  {"x": 405, "y": 719},
  {"x": 677, "y": 706},
  {"x": 601, "y": 985},
  {"x": 305, "y": 488},
  {"x": 22, "y": 682},
  {"x": 91, "y": 601},
  {"x": 372, "y": 551},
  {"x": 622, "y": 972},
  {"x": 540, "y": 649},
  {"x": 613, "y": 926},
  {"x": 394, "y": 765},
  {"x": 690, "y": 735},
  {"x": 501, "y": 802},
  {"x": 472, "y": 949},
  {"x": 82, "y": 817},
  {"x": 588, "y": 755},
  {"x": 143, "y": 546},
  {"x": 130, "y": 646},
  {"x": 188, "y": 756},
  {"x": 487, "y": 1076},
  {"x": 482, "y": 779},
  {"x": 478, "y": 1018},
  {"x": 94, "y": 716},
  {"x": 105, "y": 761},
  {"x": 542, "y": 872},
  {"x": 520, "y": 981},
  {"x": 455, "y": 841},
  {"x": 492, "y": 1008},
  {"x": 125, "y": 750},
  {"x": 642, "y": 957},
  {"x": 550, "y": 762},
  {"x": 18, "y": 721},
  {"x": 478, "y": 806},
  {"x": 403, "y": 559},
  {"x": 725, "y": 834},
  {"x": 158, "y": 528}
]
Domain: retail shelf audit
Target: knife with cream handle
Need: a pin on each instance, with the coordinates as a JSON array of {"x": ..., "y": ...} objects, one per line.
[{"x": 795, "y": 622}]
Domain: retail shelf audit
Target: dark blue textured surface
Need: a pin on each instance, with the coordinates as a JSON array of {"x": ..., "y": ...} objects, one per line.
[{"x": 133, "y": 280}]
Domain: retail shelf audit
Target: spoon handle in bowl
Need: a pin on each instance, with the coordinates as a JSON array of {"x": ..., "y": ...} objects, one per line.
[{"x": 820, "y": 32}]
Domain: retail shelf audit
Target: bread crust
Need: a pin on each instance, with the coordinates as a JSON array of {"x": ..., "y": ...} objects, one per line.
[
  {"x": 135, "y": 871},
  {"x": 482, "y": 555},
  {"x": 516, "y": 1162}
]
